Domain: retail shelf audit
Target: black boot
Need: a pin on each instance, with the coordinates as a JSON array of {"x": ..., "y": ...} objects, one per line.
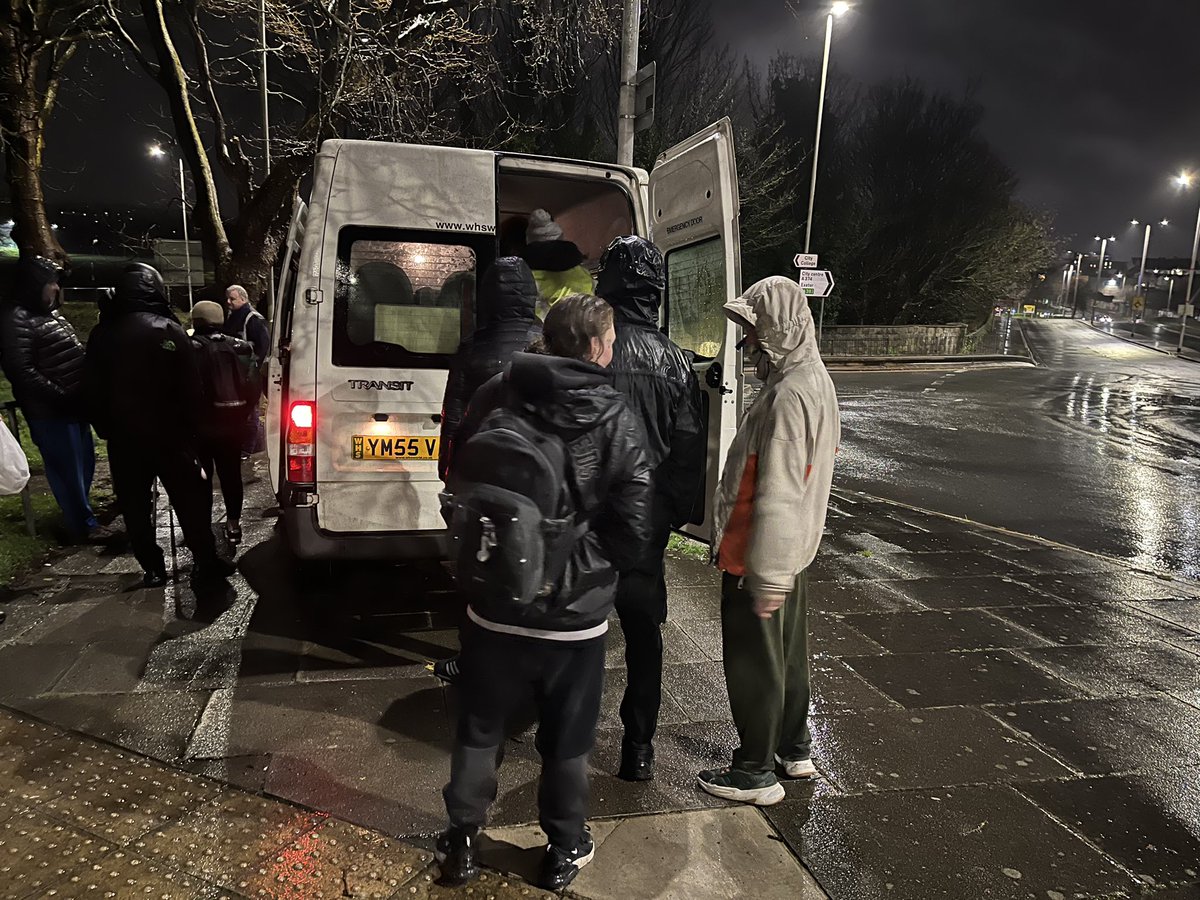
[
  {"x": 455, "y": 853},
  {"x": 155, "y": 578},
  {"x": 637, "y": 762}
]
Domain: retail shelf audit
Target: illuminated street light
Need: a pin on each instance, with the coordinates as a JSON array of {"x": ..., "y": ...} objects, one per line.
[
  {"x": 158, "y": 152},
  {"x": 1185, "y": 181},
  {"x": 839, "y": 9}
]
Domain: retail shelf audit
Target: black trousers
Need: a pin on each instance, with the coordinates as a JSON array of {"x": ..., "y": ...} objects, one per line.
[
  {"x": 222, "y": 457},
  {"x": 642, "y": 610},
  {"x": 499, "y": 675},
  {"x": 134, "y": 468}
]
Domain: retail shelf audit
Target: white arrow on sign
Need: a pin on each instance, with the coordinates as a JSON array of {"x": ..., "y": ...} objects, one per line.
[
  {"x": 816, "y": 282},
  {"x": 805, "y": 260}
]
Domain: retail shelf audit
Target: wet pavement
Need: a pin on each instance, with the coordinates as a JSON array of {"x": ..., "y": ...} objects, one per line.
[
  {"x": 993, "y": 717},
  {"x": 1098, "y": 447}
]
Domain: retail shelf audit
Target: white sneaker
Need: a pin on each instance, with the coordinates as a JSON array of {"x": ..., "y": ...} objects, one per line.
[{"x": 797, "y": 768}]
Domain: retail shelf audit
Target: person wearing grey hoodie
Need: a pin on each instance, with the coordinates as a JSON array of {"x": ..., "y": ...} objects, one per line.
[{"x": 768, "y": 520}]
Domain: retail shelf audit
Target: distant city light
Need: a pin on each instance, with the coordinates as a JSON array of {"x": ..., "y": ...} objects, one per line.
[
  {"x": 1164, "y": 222},
  {"x": 156, "y": 151},
  {"x": 1184, "y": 179},
  {"x": 1134, "y": 222},
  {"x": 840, "y": 8}
]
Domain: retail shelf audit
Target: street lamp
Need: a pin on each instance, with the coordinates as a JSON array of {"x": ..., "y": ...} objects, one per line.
[
  {"x": 839, "y": 9},
  {"x": 1100, "y": 270},
  {"x": 1145, "y": 251},
  {"x": 1184, "y": 180},
  {"x": 157, "y": 152}
]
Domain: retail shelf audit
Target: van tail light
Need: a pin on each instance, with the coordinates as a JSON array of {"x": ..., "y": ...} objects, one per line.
[{"x": 302, "y": 443}]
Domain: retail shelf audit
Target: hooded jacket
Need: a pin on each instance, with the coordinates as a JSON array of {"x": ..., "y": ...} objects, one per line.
[
  {"x": 577, "y": 401},
  {"x": 558, "y": 270},
  {"x": 142, "y": 380},
  {"x": 40, "y": 353},
  {"x": 771, "y": 505},
  {"x": 655, "y": 375},
  {"x": 506, "y": 325}
]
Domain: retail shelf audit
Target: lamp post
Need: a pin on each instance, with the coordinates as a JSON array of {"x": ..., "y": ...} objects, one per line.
[
  {"x": 1075, "y": 289},
  {"x": 1100, "y": 270},
  {"x": 1145, "y": 250},
  {"x": 838, "y": 9},
  {"x": 158, "y": 152},
  {"x": 1185, "y": 181}
]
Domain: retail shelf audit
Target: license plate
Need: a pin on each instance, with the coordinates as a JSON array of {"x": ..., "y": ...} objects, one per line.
[{"x": 373, "y": 447}]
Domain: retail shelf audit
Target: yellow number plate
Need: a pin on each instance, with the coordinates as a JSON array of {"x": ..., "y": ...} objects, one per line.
[{"x": 369, "y": 446}]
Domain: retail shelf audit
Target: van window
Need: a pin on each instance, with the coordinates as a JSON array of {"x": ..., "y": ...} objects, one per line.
[
  {"x": 696, "y": 298},
  {"x": 403, "y": 299}
]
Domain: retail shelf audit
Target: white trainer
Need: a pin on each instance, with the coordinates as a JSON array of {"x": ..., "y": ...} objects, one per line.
[{"x": 797, "y": 768}]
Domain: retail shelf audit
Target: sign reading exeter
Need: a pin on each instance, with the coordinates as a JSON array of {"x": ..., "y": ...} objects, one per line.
[{"x": 816, "y": 282}]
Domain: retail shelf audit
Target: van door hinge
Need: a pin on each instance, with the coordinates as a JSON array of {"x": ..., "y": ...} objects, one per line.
[{"x": 313, "y": 296}]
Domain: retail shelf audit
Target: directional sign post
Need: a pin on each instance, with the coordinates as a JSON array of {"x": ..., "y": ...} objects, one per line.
[
  {"x": 816, "y": 282},
  {"x": 805, "y": 260}
]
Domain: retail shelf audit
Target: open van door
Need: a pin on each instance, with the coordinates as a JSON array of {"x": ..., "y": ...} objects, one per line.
[
  {"x": 281, "y": 339},
  {"x": 694, "y": 221}
]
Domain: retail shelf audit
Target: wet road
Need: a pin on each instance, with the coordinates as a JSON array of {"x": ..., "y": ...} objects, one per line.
[{"x": 1098, "y": 447}]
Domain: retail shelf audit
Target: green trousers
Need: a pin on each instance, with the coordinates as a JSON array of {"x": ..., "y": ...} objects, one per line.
[{"x": 766, "y": 673}]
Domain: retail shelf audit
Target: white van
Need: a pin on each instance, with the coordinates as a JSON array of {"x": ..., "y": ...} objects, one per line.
[{"x": 378, "y": 288}]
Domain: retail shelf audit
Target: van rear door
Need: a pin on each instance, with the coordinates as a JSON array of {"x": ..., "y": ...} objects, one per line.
[
  {"x": 281, "y": 339},
  {"x": 409, "y": 229},
  {"x": 694, "y": 221}
]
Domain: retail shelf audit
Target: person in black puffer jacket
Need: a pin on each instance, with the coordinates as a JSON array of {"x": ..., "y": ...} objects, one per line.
[
  {"x": 145, "y": 396},
  {"x": 44, "y": 360},
  {"x": 506, "y": 324},
  {"x": 551, "y": 651},
  {"x": 657, "y": 379}
]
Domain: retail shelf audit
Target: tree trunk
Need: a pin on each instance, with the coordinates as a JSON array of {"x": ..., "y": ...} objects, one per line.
[{"x": 24, "y": 139}]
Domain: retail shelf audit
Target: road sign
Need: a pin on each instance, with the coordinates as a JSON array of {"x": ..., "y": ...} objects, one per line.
[
  {"x": 1139, "y": 303},
  {"x": 805, "y": 260},
  {"x": 816, "y": 282},
  {"x": 1030, "y": 309},
  {"x": 643, "y": 92}
]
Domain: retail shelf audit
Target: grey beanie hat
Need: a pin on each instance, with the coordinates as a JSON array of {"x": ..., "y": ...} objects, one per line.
[
  {"x": 208, "y": 313},
  {"x": 542, "y": 228}
]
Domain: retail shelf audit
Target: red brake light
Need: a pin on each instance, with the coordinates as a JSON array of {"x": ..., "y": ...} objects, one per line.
[{"x": 302, "y": 443}]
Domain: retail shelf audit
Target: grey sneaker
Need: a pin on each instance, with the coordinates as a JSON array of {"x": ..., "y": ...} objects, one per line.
[
  {"x": 796, "y": 768},
  {"x": 745, "y": 787}
]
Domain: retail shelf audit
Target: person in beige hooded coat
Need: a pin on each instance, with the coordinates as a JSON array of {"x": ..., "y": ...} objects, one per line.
[{"x": 768, "y": 520}]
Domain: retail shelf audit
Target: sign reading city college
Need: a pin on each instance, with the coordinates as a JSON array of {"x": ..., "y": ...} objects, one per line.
[
  {"x": 816, "y": 282},
  {"x": 805, "y": 260}
]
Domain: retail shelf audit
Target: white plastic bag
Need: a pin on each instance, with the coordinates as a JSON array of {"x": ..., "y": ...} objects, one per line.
[{"x": 14, "y": 467}]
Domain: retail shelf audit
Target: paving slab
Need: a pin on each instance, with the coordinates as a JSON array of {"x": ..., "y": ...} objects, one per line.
[
  {"x": 952, "y": 629},
  {"x": 1185, "y": 613},
  {"x": 976, "y": 841},
  {"x": 123, "y": 874},
  {"x": 671, "y": 857},
  {"x": 917, "y": 680},
  {"x": 1101, "y": 671},
  {"x": 980, "y": 592},
  {"x": 1112, "y": 625},
  {"x": 1101, "y": 737},
  {"x": 1149, "y": 822},
  {"x": 892, "y": 749},
  {"x": 37, "y": 852},
  {"x": 837, "y": 687},
  {"x": 858, "y": 596},
  {"x": 1110, "y": 587}
]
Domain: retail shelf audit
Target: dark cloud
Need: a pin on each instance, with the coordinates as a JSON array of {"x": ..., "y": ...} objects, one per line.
[{"x": 1089, "y": 101}]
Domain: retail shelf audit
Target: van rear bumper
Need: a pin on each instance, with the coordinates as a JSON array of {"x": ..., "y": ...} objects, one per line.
[{"x": 308, "y": 540}]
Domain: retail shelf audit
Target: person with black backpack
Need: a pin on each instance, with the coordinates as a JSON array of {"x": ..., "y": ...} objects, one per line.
[
  {"x": 229, "y": 380},
  {"x": 547, "y": 498}
]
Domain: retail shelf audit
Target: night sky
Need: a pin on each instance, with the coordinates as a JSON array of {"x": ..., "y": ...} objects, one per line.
[{"x": 1091, "y": 102}]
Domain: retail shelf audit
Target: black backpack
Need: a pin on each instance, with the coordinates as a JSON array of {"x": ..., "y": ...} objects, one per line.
[
  {"x": 512, "y": 514},
  {"x": 229, "y": 371}
]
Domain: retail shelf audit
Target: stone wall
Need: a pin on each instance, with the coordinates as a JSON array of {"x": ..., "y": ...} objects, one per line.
[{"x": 893, "y": 340}]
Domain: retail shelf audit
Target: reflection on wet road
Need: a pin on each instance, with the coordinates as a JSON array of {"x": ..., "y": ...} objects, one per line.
[{"x": 1097, "y": 447}]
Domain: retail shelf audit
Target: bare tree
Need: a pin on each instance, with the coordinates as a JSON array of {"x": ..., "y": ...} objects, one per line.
[{"x": 37, "y": 40}]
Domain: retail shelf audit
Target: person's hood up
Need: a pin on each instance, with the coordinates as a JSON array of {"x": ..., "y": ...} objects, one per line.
[
  {"x": 507, "y": 292},
  {"x": 778, "y": 310},
  {"x": 567, "y": 393},
  {"x": 140, "y": 288},
  {"x": 632, "y": 277},
  {"x": 32, "y": 274},
  {"x": 552, "y": 256}
]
